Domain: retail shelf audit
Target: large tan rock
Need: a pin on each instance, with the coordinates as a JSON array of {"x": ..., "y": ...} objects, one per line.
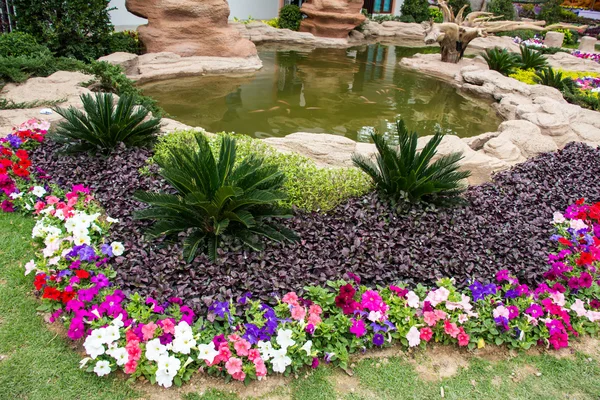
[
  {"x": 61, "y": 86},
  {"x": 571, "y": 63},
  {"x": 587, "y": 44},
  {"x": 554, "y": 39},
  {"x": 331, "y": 18},
  {"x": 189, "y": 28},
  {"x": 324, "y": 149},
  {"x": 493, "y": 83},
  {"x": 127, "y": 61},
  {"x": 480, "y": 44},
  {"x": 157, "y": 66},
  {"x": 431, "y": 64},
  {"x": 259, "y": 32},
  {"x": 527, "y": 137}
]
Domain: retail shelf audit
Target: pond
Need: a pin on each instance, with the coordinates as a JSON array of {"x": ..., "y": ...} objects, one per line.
[{"x": 347, "y": 92}]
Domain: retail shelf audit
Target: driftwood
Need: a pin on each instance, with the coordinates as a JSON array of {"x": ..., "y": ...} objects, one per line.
[{"x": 457, "y": 31}]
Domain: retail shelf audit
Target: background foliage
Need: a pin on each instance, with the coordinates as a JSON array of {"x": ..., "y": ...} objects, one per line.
[
  {"x": 74, "y": 28},
  {"x": 290, "y": 17}
]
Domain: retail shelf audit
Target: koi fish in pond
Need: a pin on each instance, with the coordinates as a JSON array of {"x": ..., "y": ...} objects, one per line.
[
  {"x": 313, "y": 108},
  {"x": 283, "y": 102},
  {"x": 256, "y": 111},
  {"x": 274, "y": 108}
]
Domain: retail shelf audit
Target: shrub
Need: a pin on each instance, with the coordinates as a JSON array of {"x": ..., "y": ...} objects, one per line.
[
  {"x": 500, "y": 60},
  {"x": 417, "y": 9},
  {"x": 406, "y": 174},
  {"x": 522, "y": 33},
  {"x": 528, "y": 76},
  {"x": 581, "y": 98},
  {"x": 526, "y": 11},
  {"x": 436, "y": 15},
  {"x": 504, "y": 8},
  {"x": 126, "y": 41},
  {"x": 308, "y": 187},
  {"x": 551, "y": 11},
  {"x": 552, "y": 50},
  {"x": 552, "y": 78},
  {"x": 74, "y": 28},
  {"x": 456, "y": 5},
  {"x": 290, "y": 17},
  {"x": 17, "y": 44},
  {"x": 102, "y": 126},
  {"x": 571, "y": 36},
  {"x": 217, "y": 197},
  {"x": 19, "y": 69},
  {"x": 531, "y": 59}
]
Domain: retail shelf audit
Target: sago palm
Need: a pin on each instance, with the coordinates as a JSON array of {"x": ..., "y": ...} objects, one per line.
[
  {"x": 405, "y": 173},
  {"x": 216, "y": 197},
  {"x": 531, "y": 59},
  {"x": 102, "y": 125},
  {"x": 500, "y": 60}
]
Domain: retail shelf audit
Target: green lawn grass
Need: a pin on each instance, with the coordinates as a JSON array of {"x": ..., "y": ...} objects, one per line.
[{"x": 36, "y": 363}]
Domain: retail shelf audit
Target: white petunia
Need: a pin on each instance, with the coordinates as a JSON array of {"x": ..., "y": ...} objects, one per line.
[
  {"x": 413, "y": 336},
  {"x": 284, "y": 339},
  {"x": 102, "y": 368},
  {"x": 99, "y": 336},
  {"x": 81, "y": 240},
  {"x": 374, "y": 316},
  {"x": 29, "y": 267},
  {"x": 93, "y": 348},
  {"x": 84, "y": 362},
  {"x": 207, "y": 352},
  {"x": 120, "y": 354},
  {"x": 307, "y": 347},
  {"x": 164, "y": 379},
  {"x": 280, "y": 360},
  {"x": 170, "y": 364},
  {"x": 266, "y": 349},
  {"x": 112, "y": 333},
  {"x": 15, "y": 195},
  {"x": 38, "y": 191},
  {"x": 413, "y": 299},
  {"x": 577, "y": 225},
  {"x": 183, "y": 329},
  {"x": 154, "y": 350},
  {"x": 183, "y": 344},
  {"x": 118, "y": 322},
  {"x": 117, "y": 248},
  {"x": 558, "y": 218},
  {"x": 112, "y": 220}
]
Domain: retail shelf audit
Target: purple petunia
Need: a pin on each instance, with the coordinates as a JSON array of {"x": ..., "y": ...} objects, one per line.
[{"x": 378, "y": 339}]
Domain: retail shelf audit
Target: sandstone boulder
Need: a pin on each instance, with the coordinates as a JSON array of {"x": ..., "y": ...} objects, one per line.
[
  {"x": 587, "y": 44},
  {"x": 331, "y": 18},
  {"x": 259, "y": 32},
  {"x": 189, "y": 28},
  {"x": 570, "y": 63},
  {"x": 62, "y": 86},
  {"x": 127, "y": 61},
  {"x": 480, "y": 44},
  {"x": 554, "y": 39}
]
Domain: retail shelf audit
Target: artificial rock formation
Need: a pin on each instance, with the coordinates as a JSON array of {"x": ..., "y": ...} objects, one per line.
[
  {"x": 189, "y": 28},
  {"x": 331, "y": 18}
]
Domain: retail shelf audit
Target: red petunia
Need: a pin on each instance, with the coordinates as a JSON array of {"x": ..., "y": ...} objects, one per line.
[
  {"x": 22, "y": 172},
  {"x": 51, "y": 293},
  {"x": 24, "y": 163},
  {"x": 6, "y": 163},
  {"x": 6, "y": 152},
  {"x": 564, "y": 241},
  {"x": 40, "y": 280},
  {"x": 82, "y": 274},
  {"x": 22, "y": 154},
  {"x": 68, "y": 296},
  {"x": 585, "y": 259}
]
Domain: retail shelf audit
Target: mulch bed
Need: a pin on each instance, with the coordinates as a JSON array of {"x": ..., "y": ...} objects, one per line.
[{"x": 506, "y": 225}]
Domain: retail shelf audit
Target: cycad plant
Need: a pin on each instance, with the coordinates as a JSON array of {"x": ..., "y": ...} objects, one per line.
[
  {"x": 500, "y": 60},
  {"x": 216, "y": 197},
  {"x": 102, "y": 125},
  {"x": 531, "y": 59},
  {"x": 552, "y": 78},
  {"x": 404, "y": 173}
]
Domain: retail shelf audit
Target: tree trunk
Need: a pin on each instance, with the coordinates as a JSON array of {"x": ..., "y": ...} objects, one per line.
[{"x": 451, "y": 51}]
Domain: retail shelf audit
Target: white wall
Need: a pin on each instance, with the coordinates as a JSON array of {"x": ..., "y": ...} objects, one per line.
[
  {"x": 122, "y": 17},
  {"x": 258, "y": 9}
]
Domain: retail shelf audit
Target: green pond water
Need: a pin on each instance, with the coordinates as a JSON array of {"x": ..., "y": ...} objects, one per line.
[{"x": 347, "y": 92}]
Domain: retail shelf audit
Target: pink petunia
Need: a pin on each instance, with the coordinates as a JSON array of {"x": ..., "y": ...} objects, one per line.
[
  {"x": 148, "y": 330},
  {"x": 290, "y": 298},
  {"x": 298, "y": 313},
  {"x": 233, "y": 365},
  {"x": 315, "y": 309},
  {"x": 314, "y": 319},
  {"x": 253, "y": 354},
  {"x": 451, "y": 329},
  {"x": 168, "y": 326},
  {"x": 242, "y": 347},
  {"x": 261, "y": 369}
]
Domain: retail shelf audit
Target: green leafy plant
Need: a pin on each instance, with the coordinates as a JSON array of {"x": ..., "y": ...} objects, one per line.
[
  {"x": 504, "y": 8},
  {"x": 551, "y": 11},
  {"x": 290, "y": 17},
  {"x": 436, "y": 15},
  {"x": 407, "y": 174},
  {"x": 418, "y": 10},
  {"x": 522, "y": 33},
  {"x": 550, "y": 77},
  {"x": 274, "y": 22},
  {"x": 102, "y": 126},
  {"x": 456, "y": 5},
  {"x": 74, "y": 28},
  {"x": 531, "y": 59},
  {"x": 125, "y": 41},
  {"x": 18, "y": 69},
  {"x": 581, "y": 98},
  {"x": 17, "y": 44},
  {"x": 500, "y": 60},
  {"x": 308, "y": 186},
  {"x": 217, "y": 197},
  {"x": 552, "y": 50}
]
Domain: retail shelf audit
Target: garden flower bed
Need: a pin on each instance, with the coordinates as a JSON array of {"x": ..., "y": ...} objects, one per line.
[{"x": 81, "y": 265}]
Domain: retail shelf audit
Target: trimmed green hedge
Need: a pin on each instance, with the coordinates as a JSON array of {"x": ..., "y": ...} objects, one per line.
[{"x": 309, "y": 187}]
